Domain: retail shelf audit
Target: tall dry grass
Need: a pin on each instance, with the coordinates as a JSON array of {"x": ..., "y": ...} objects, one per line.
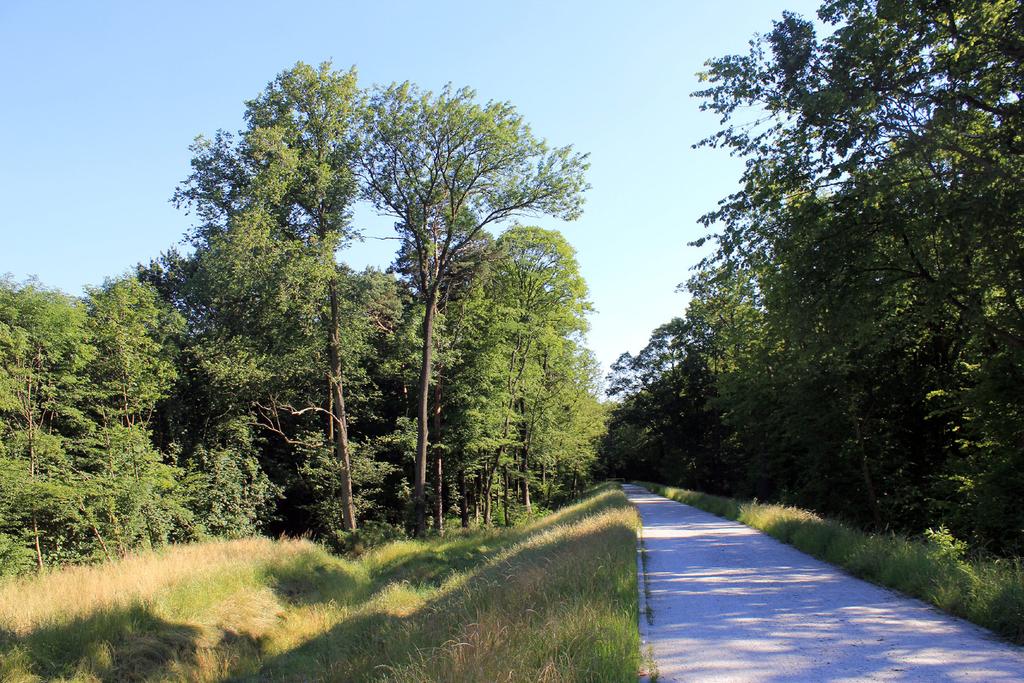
[
  {"x": 65, "y": 594},
  {"x": 551, "y": 601}
]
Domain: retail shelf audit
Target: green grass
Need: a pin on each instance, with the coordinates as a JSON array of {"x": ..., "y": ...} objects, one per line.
[
  {"x": 988, "y": 592},
  {"x": 553, "y": 600}
]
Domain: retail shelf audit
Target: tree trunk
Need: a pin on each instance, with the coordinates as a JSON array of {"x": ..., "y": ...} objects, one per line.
[
  {"x": 330, "y": 411},
  {"x": 876, "y": 511},
  {"x": 493, "y": 470},
  {"x": 438, "y": 462},
  {"x": 545, "y": 494},
  {"x": 477, "y": 491},
  {"x": 488, "y": 482},
  {"x": 32, "y": 476},
  {"x": 526, "y": 482},
  {"x": 39, "y": 550},
  {"x": 464, "y": 499},
  {"x": 422, "y": 415},
  {"x": 96, "y": 532},
  {"x": 339, "y": 420},
  {"x": 504, "y": 479},
  {"x": 523, "y": 484},
  {"x": 865, "y": 471},
  {"x": 525, "y": 460},
  {"x": 439, "y": 495}
]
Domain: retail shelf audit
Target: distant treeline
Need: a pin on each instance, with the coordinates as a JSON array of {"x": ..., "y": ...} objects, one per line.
[
  {"x": 255, "y": 384},
  {"x": 855, "y": 341}
]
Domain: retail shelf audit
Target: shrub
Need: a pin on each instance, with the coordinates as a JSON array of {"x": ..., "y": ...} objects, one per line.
[{"x": 370, "y": 535}]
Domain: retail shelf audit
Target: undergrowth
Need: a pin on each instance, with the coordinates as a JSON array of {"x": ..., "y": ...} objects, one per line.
[
  {"x": 986, "y": 591},
  {"x": 553, "y": 600}
]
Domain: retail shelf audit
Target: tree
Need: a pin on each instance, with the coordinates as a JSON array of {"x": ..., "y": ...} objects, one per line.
[
  {"x": 256, "y": 384},
  {"x": 288, "y": 185},
  {"x": 445, "y": 167},
  {"x": 541, "y": 300},
  {"x": 865, "y": 290},
  {"x": 134, "y": 334},
  {"x": 879, "y": 192},
  {"x": 78, "y": 384},
  {"x": 130, "y": 489},
  {"x": 43, "y": 353}
]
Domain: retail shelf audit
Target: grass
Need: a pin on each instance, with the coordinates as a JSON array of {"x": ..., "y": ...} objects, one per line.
[
  {"x": 554, "y": 600},
  {"x": 988, "y": 592}
]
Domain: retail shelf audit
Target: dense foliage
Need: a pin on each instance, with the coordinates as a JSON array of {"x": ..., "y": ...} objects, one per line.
[
  {"x": 855, "y": 342},
  {"x": 252, "y": 382}
]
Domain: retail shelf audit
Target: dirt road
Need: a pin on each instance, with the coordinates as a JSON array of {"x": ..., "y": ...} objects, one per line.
[{"x": 728, "y": 603}]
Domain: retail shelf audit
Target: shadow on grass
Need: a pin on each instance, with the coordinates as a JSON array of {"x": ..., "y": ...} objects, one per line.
[
  {"x": 310, "y": 578},
  {"x": 429, "y": 564},
  {"x": 133, "y": 643},
  {"x": 127, "y": 643},
  {"x": 531, "y": 585}
]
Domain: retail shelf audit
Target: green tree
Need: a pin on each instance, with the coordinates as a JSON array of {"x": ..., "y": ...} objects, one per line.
[
  {"x": 445, "y": 167},
  {"x": 863, "y": 303},
  {"x": 285, "y": 190},
  {"x": 43, "y": 354},
  {"x": 540, "y": 299},
  {"x": 129, "y": 488}
]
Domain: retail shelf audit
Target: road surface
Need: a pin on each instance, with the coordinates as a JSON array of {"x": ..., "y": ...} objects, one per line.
[{"x": 729, "y": 603}]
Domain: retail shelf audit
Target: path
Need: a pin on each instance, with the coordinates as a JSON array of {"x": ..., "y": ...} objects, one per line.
[{"x": 730, "y": 603}]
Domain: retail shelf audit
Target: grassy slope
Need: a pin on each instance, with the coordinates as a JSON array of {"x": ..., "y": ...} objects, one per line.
[
  {"x": 551, "y": 601},
  {"x": 988, "y": 592}
]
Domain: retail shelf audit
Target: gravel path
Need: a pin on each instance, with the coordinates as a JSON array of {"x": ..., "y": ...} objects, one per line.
[{"x": 729, "y": 603}]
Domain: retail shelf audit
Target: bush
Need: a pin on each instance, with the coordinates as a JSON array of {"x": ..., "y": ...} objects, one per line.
[
  {"x": 369, "y": 535},
  {"x": 15, "y": 558}
]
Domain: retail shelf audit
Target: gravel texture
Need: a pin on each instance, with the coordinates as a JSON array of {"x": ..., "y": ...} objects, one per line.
[{"x": 721, "y": 601}]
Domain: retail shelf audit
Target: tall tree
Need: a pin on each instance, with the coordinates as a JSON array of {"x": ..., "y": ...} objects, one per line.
[
  {"x": 881, "y": 214},
  {"x": 859, "y": 326},
  {"x": 445, "y": 167},
  {"x": 135, "y": 335},
  {"x": 289, "y": 177},
  {"x": 541, "y": 300}
]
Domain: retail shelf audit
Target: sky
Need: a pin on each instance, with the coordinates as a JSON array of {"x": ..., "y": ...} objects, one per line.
[{"x": 101, "y": 101}]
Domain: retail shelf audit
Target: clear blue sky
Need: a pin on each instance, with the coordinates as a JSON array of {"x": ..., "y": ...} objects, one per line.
[{"x": 101, "y": 100}]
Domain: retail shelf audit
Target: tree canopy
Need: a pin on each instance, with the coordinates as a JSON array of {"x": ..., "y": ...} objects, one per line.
[
  {"x": 853, "y": 343},
  {"x": 254, "y": 383}
]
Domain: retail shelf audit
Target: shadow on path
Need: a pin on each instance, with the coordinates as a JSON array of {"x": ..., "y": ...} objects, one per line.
[{"x": 731, "y": 603}]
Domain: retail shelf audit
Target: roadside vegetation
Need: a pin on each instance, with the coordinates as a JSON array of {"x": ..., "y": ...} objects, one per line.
[
  {"x": 853, "y": 343},
  {"x": 250, "y": 382},
  {"x": 936, "y": 567},
  {"x": 552, "y": 600}
]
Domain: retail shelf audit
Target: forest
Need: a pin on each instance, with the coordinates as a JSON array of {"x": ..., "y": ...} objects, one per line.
[
  {"x": 250, "y": 382},
  {"x": 246, "y": 456},
  {"x": 854, "y": 340}
]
